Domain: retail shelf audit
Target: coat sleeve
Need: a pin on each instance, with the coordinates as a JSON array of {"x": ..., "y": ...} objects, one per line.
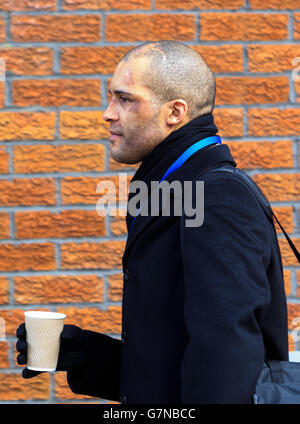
[
  {"x": 226, "y": 294},
  {"x": 99, "y": 376}
]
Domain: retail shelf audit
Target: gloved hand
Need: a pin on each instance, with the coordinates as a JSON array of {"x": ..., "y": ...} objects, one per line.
[{"x": 72, "y": 343}]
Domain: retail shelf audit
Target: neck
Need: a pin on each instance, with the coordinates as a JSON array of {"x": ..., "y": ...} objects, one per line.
[{"x": 158, "y": 161}]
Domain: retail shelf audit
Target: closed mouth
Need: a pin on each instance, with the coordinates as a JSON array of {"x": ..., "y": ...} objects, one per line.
[{"x": 114, "y": 133}]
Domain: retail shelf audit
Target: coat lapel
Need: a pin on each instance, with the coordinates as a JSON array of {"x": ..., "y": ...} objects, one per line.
[{"x": 187, "y": 172}]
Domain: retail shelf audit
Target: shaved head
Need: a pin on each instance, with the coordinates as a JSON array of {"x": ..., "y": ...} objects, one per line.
[
  {"x": 176, "y": 71},
  {"x": 157, "y": 87}
]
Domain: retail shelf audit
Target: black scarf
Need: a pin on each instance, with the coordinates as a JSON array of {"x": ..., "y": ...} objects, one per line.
[{"x": 156, "y": 163}]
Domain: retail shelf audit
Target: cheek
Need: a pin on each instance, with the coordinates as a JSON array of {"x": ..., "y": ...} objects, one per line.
[
  {"x": 138, "y": 120},
  {"x": 142, "y": 109},
  {"x": 134, "y": 108}
]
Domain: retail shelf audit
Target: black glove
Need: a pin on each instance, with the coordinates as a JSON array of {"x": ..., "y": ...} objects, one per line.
[{"x": 72, "y": 343}]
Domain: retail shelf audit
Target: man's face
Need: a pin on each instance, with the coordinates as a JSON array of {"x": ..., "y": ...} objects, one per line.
[{"x": 136, "y": 121}]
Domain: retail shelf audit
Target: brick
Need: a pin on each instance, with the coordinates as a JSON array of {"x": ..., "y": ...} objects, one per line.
[
  {"x": 293, "y": 314},
  {"x": 12, "y": 319},
  {"x": 83, "y": 190},
  {"x": 106, "y": 4},
  {"x": 115, "y": 287},
  {"x": 4, "y": 225},
  {"x": 279, "y": 187},
  {"x": 298, "y": 282},
  {"x": 273, "y": 121},
  {"x": 150, "y": 27},
  {"x": 2, "y": 30},
  {"x": 27, "y": 126},
  {"x": 29, "y": 159},
  {"x": 229, "y": 122},
  {"x": 59, "y": 289},
  {"x": 27, "y": 191},
  {"x": 61, "y": 92},
  {"x": 297, "y": 88},
  {"x": 4, "y": 291},
  {"x": 225, "y": 58},
  {"x": 297, "y": 26},
  {"x": 274, "y": 4},
  {"x": 14, "y": 387},
  {"x": 4, "y": 160},
  {"x": 243, "y": 26},
  {"x": 62, "y": 389},
  {"x": 2, "y": 94},
  {"x": 4, "y": 352},
  {"x": 262, "y": 154},
  {"x": 85, "y": 125},
  {"x": 241, "y": 90},
  {"x": 28, "y": 61},
  {"x": 272, "y": 58},
  {"x": 95, "y": 319},
  {"x": 287, "y": 282},
  {"x": 199, "y": 4},
  {"x": 285, "y": 216},
  {"x": 91, "y": 60},
  {"x": 55, "y": 28},
  {"x": 85, "y": 255},
  {"x": 291, "y": 342},
  {"x": 67, "y": 223},
  {"x": 288, "y": 257},
  {"x": 118, "y": 225},
  {"x": 27, "y": 5},
  {"x": 26, "y": 257}
]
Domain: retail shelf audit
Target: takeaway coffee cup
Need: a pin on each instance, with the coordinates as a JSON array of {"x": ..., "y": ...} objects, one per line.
[{"x": 43, "y": 331}]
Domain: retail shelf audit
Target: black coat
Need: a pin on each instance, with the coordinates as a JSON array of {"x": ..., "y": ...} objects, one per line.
[{"x": 202, "y": 308}]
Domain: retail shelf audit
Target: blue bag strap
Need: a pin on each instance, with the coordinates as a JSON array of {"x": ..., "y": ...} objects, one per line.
[
  {"x": 190, "y": 151},
  {"x": 184, "y": 157}
]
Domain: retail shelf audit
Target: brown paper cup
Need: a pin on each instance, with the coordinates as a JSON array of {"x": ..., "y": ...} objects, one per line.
[{"x": 43, "y": 331}]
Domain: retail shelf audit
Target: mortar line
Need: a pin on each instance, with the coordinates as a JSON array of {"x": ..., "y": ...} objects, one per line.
[
  {"x": 120, "y": 43},
  {"x": 97, "y": 12}
]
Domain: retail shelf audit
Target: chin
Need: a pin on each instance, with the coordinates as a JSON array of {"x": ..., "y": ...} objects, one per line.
[{"x": 118, "y": 157}]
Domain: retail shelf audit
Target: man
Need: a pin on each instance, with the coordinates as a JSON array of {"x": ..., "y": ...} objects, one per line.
[{"x": 203, "y": 306}]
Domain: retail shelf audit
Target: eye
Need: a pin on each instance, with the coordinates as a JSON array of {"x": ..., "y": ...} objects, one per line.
[{"x": 124, "y": 99}]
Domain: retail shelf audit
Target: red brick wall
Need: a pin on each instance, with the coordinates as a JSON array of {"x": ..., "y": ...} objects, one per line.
[{"x": 56, "y": 252}]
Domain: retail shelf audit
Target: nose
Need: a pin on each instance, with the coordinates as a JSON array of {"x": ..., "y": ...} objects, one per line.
[{"x": 110, "y": 113}]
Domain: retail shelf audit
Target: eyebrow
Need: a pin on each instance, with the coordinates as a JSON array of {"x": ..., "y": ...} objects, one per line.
[{"x": 121, "y": 92}]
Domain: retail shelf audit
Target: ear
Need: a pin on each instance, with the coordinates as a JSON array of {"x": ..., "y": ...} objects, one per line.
[{"x": 177, "y": 111}]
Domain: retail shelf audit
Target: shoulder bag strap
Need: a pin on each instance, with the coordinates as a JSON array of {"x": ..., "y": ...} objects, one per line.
[{"x": 261, "y": 198}]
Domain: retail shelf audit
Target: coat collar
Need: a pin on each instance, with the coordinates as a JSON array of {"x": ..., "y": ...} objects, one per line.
[{"x": 200, "y": 161}]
